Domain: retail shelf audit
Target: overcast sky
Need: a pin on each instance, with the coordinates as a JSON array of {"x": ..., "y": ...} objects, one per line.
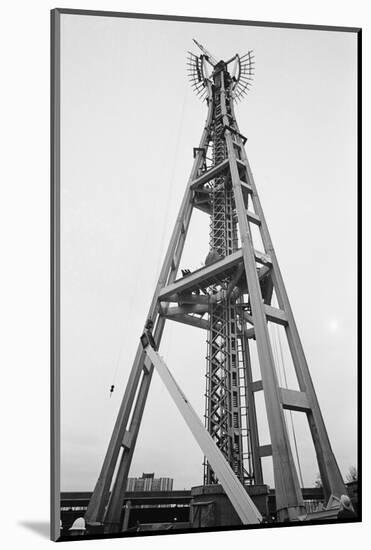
[{"x": 129, "y": 121}]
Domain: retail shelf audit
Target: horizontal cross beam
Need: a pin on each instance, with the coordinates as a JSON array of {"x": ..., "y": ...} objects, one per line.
[
  {"x": 210, "y": 174},
  {"x": 249, "y": 332},
  {"x": 246, "y": 186},
  {"x": 197, "y": 277},
  {"x": 265, "y": 450},
  {"x": 192, "y": 299},
  {"x": 257, "y": 385},
  {"x": 294, "y": 400},
  {"x": 185, "y": 309},
  {"x": 252, "y": 217},
  {"x": 216, "y": 269},
  {"x": 262, "y": 258},
  {"x": 275, "y": 315}
]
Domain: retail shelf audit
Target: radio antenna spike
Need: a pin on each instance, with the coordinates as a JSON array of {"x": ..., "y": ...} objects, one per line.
[{"x": 211, "y": 59}]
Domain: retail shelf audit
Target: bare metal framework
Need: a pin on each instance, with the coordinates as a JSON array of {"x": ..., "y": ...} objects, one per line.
[
  {"x": 224, "y": 378},
  {"x": 231, "y": 299}
]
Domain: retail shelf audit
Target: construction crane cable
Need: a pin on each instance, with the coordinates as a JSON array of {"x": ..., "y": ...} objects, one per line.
[
  {"x": 164, "y": 225},
  {"x": 275, "y": 354},
  {"x": 171, "y": 186},
  {"x": 291, "y": 415},
  {"x": 127, "y": 316}
]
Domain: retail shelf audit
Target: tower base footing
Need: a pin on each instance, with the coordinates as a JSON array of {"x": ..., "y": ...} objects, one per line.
[{"x": 210, "y": 506}]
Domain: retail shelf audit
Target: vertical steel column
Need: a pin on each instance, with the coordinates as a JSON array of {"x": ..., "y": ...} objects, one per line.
[
  {"x": 289, "y": 499},
  {"x": 331, "y": 477}
]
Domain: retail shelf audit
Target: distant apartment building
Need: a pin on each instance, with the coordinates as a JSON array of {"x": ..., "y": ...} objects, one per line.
[{"x": 148, "y": 482}]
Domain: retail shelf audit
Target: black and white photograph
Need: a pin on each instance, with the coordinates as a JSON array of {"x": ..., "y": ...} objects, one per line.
[{"x": 205, "y": 188}]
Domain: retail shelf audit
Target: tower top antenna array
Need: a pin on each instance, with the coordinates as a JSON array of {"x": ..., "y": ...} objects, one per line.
[{"x": 202, "y": 68}]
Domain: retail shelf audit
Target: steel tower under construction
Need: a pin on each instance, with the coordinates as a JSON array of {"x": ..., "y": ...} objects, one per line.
[{"x": 231, "y": 299}]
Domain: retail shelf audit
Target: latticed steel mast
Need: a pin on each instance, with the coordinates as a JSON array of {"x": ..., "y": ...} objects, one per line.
[
  {"x": 231, "y": 298},
  {"x": 223, "y": 395},
  {"x": 228, "y": 418}
]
